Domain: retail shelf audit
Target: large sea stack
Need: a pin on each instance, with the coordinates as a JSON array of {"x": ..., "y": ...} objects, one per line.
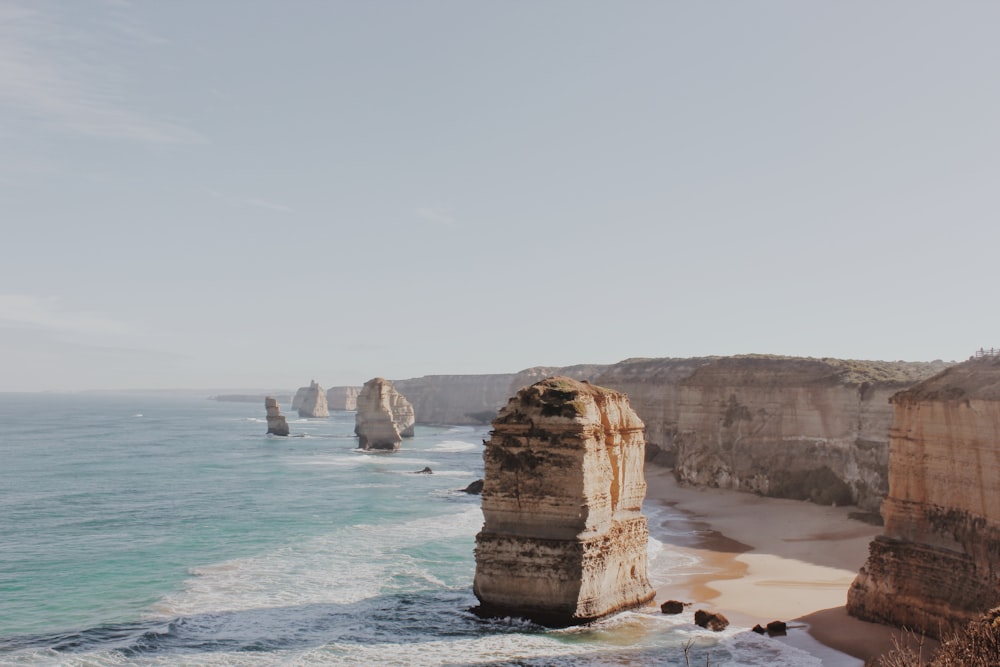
[
  {"x": 937, "y": 565},
  {"x": 276, "y": 423},
  {"x": 384, "y": 416},
  {"x": 313, "y": 401},
  {"x": 564, "y": 540}
]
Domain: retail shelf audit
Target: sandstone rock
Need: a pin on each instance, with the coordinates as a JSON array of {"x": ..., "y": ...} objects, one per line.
[
  {"x": 715, "y": 622},
  {"x": 937, "y": 565},
  {"x": 672, "y": 607},
  {"x": 759, "y": 629},
  {"x": 564, "y": 540},
  {"x": 312, "y": 402},
  {"x": 276, "y": 423},
  {"x": 812, "y": 429},
  {"x": 342, "y": 398},
  {"x": 384, "y": 416}
]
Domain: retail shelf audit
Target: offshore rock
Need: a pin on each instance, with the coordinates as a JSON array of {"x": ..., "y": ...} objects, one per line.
[
  {"x": 937, "y": 565},
  {"x": 564, "y": 540},
  {"x": 276, "y": 423},
  {"x": 342, "y": 398},
  {"x": 313, "y": 401},
  {"x": 384, "y": 416}
]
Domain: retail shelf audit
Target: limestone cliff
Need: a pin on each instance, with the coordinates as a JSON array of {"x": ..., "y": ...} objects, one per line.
[
  {"x": 313, "y": 401},
  {"x": 384, "y": 416},
  {"x": 342, "y": 398},
  {"x": 475, "y": 399},
  {"x": 563, "y": 540},
  {"x": 937, "y": 565},
  {"x": 790, "y": 427},
  {"x": 784, "y": 426},
  {"x": 276, "y": 422}
]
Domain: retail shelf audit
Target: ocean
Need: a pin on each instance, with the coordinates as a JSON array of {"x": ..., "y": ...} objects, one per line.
[{"x": 149, "y": 529}]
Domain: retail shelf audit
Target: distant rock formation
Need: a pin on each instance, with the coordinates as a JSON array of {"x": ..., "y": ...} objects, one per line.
[
  {"x": 564, "y": 540},
  {"x": 300, "y": 395},
  {"x": 276, "y": 423},
  {"x": 312, "y": 402},
  {"x": 475, "y": 399},
  {"x": 937, "y": 565},
  {"x": 384, "y": 416},
  {"x": 342, "y": 398}
]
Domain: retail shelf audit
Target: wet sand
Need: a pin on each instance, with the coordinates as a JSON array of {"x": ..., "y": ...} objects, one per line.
[{"x": 764, "y": 559}]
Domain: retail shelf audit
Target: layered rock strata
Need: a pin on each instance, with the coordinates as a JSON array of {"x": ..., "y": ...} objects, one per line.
[
  {"x": 811, "y": 429},
  {"x": 342, "y": 398},
  {"x": 313, "y": 401},
  {"x": 384, "y": 416},
  {"x": 814, "y": 429},
  {"x": 937, "y": 565},
  {"x": 564, "y": 540},
  {"x": 276, "y": 423}
]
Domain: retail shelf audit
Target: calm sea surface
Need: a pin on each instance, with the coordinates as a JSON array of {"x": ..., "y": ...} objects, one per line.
[{"x": 164, "y": 530}]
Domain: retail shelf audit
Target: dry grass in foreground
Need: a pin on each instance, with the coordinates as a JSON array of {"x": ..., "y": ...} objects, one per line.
[{"x": 977, "y": 645}]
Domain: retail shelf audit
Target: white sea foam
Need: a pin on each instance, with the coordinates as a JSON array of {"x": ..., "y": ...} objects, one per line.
[
  {"x": 349, "y": 565},
  {"x": 455, "y": 446}
]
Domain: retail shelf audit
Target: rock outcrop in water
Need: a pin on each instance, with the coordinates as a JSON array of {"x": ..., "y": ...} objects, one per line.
[
  {"x": 276, "y": 423},
  {"x": 342, "y": 398},
  {"x": 937, "y": 565},
  {"x": 312, "y": 402},
  {"x": 384, "y": 416},
  {"x": 564, "y": 540}
]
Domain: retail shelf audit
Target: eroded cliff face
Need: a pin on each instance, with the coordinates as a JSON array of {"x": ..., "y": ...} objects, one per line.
[
  {"x": 937, "y": 565},
  {"x": 342, "y": 398},
  {"x": 384, "y": 416},
  {"x": 813, "y": 429},
  {"x": 312, "y": 402},
  {"x": 563, "y": 540}
]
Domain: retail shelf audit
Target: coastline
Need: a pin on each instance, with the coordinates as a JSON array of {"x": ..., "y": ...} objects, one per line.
[{"x": 764, "y": 559}]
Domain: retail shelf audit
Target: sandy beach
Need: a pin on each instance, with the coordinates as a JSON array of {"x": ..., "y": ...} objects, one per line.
[{"x": 763, "y": 559}]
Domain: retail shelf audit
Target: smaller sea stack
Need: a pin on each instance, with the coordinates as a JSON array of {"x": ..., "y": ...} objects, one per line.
[
  {"x": 384, "y": 416},
  {"x": 276, "y": 423},
  {"x": 313, "y": 401}
]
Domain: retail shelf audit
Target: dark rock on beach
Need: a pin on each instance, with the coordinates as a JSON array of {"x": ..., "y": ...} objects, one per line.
[
  {"x": 672, "y": 607},
  {"x": 712, "y": 621}
]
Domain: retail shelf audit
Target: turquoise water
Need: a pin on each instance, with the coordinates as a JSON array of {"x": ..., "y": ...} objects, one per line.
[{"x": 170, "y": 530}]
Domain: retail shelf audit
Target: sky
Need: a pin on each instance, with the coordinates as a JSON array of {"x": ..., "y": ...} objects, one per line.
[{"x": 249, "y": 193}]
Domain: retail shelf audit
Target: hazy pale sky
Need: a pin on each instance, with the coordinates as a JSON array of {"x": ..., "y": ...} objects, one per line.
[{"x": 239, "y": 193}]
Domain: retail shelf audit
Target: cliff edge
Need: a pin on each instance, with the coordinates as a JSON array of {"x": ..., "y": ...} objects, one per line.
[{"x": 937, "y": 565}]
